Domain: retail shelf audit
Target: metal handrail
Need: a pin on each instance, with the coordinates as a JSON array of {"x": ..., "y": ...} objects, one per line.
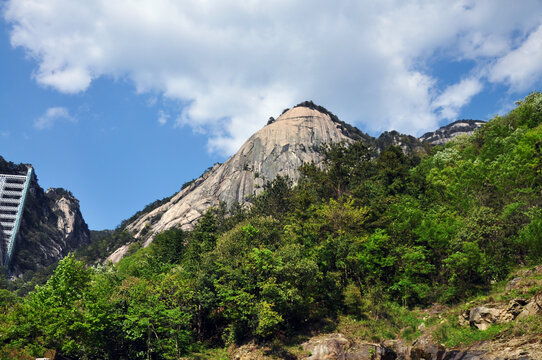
[{"x": 20, "y": 211}]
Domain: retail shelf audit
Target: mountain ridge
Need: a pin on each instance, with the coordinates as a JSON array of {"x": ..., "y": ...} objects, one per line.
[
  {"x": 253, "y": 166},
  {"x": 447, "y": 132},
  {"x": 277, "y": 149}
]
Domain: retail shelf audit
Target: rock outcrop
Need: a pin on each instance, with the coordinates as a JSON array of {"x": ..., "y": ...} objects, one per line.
[
  {"x": 448, "y": 132},
  {"x": 336, "y": 346},
  {"x": 277, "y": 149},
  {"x": 482, "y": 317},
  {"x": 408, "y": 143},
  {"x": 51, "y": 226}
]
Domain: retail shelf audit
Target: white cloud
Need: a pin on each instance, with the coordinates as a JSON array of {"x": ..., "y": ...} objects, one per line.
[
  {"x": 51, "y": 116},
  {"x": 162, "y": 117},
  {"x": 522, "y": 67},
  {"x": 235, "y": 63},
  {"x": 5, "y": 133},
  {"x": 449, "y": 103}
]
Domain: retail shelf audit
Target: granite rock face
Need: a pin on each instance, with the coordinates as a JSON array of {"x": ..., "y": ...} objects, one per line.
[
  {"x": 277, "y": 149},
  {"x": 448, "y": 132}
]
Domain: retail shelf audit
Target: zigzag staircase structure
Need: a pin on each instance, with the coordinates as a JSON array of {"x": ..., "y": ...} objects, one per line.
[{"x": 13, "y": 190}]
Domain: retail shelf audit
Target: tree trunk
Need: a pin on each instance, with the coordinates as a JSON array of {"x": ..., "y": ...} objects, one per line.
[{"x": 149, "y": 343}]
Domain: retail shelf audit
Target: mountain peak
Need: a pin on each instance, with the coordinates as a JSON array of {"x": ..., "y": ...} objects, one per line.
[
  {"x": 277, "y": 149},
  {"x": 300, "y": 112}
]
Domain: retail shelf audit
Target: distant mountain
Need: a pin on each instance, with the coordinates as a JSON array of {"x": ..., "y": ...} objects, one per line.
[
  {"x": 51, "y": 226},
  {"x": 448, "y": 132}
]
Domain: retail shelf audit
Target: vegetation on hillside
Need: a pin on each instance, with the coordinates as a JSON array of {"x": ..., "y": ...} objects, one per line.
[{"x": 364, "y": 238}]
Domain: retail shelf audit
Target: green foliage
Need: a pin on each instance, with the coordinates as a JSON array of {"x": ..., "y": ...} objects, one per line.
[
  {"x": 169, "y": 246},
  {"x": 530, "y": 237},
  {"x": 453, "y": 335},
  {"x": 276, "y": 198},
  {"x": 102, "y": 244}
]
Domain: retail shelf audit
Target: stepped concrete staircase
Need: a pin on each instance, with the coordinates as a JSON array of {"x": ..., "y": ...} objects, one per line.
[{"x": 13, "y": 190}]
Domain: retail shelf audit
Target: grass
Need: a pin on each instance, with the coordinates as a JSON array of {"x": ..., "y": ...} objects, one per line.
[
  {"x": 395, "y": 322},
  {"x": 454, "y": 336},
  {"x": 208, "y": 354}
]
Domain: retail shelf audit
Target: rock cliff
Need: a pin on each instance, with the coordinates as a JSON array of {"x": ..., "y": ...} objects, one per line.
[
  {"x": 51, "y": 226},
  {"x": 277, "y": 149}
]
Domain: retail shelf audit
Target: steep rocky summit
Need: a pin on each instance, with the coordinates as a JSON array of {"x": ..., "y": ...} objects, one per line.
[
  {"x": 277, "y": 149},
  {"x": 51, "y": 226}
]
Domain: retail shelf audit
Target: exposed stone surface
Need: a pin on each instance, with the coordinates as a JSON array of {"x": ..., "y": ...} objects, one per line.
[
  {"x": 118, "y": 254},
  {"x": 277, "y": 149},
  {"x": 448, "y": 132},
  {"x": 408, "y": 143},
  {"x": 399, "y": 347},
  {"x": 425, "y": 348},
  {"x": 336, "y": 346},
  {"x": 52, "y": 226},
  {"x": 526, "y": 347},
  {"x": 326, "y": 347},
  {"x": 524, "y": 279},
  {"x": 483, "y": 317}
]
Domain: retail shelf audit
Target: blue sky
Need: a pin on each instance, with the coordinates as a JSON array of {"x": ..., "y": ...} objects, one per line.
[{"x": 122, "y": 102}]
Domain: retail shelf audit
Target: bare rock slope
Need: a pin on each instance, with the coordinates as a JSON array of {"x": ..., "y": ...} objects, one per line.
[{"x": 277, "y": 149}]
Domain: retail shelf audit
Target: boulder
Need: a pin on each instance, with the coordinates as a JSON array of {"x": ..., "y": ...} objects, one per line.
[
  {"x": 533, "y": 307},
  {"x": 520, "y": 281},
  {"x": 328, "y": 347},
  {"x": 482, "y": 317},
  {"x": 370, "y": 352},
  {"x": 337, "y": 347},
  {"x": 464, "y": 318},
  {"x": 425, "y": 348},
  {"x": 514, "y": 284},
  {"x": 514, "y": 308},
  {"x": 400, "y": 347}
]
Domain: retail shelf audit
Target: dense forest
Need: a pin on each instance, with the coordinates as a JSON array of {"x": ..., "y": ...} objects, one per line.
[{"x": 364, "y": 237}]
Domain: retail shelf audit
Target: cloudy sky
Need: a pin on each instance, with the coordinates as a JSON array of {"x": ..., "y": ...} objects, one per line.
[{"x": 123, "y": 101}]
